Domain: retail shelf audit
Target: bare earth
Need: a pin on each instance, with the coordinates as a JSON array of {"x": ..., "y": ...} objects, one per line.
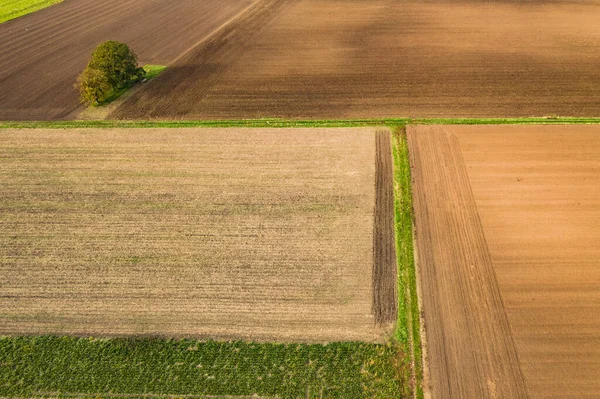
[
  {"x": 222, "y": 233},
  {"x": 536, "y": 191},
  {"x": 387, "y": 58},
  {"x": 470, "y": 350},
  {"x": 41, "y": 54}
]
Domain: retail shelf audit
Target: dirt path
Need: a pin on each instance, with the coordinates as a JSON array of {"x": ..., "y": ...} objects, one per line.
[
  {"x": 385, "y": 266},
  {"x": 41, "y": 54},
  {"x": 471, "y": 352},
  {"x": 389, "y": 58}
]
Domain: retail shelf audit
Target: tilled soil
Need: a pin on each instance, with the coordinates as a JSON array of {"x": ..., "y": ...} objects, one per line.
[
  {"x": 214, "y": 233},
  {"x": 41, "y": 54},
  {"x": 471, "y": 353},
  {"x": 388, "y": 58},
  {"x": 530, "y": 193},
  {"x": 537, "y": 189},
  {"x": 385, "y": 266}
]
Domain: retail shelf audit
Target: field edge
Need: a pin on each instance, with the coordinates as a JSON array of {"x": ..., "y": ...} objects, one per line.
[
  {"x": 35, "y": 6},
  {"x": 275, "y": 122},
  {"x": 408, "y": 326}
]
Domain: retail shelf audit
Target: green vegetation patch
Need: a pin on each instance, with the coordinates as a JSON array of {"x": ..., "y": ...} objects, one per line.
[
  {"x": 88, "y": 367},
  {"x": 408, "y": 331},
  {"x": 152, "y": 71},
  {"x": 11, "y": 9},
  {"x": 271, "y": 122}
]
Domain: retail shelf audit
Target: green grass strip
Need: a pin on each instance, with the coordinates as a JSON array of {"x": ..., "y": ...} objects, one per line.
[
  {"x": 11, "y": 9},
  {"x": 408, "y": 326},
  {"x": 88, "y": 367},
  {"x": 261, "y": 123}
]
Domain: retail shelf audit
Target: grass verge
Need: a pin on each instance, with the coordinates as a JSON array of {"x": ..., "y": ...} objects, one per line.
[
  {"x": 11, "y": 9},
  {"x": 408, "y": 327},
  {"x": 261, "y": 123},
  {"x": 88, "y": 367}
]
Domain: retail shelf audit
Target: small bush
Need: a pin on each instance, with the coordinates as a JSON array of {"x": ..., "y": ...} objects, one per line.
[{"x": 112, "y": 67}]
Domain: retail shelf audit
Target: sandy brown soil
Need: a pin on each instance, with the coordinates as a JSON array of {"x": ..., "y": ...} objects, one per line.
[
  {"x": 385, "y": 266},
  {"x": 533, "y": 199},
  {"x": 470, "y": 350},
  {"x": 383, "y": 58},
  {"x": 222, "y": 233},
  {"x": 41, "y": 54},
  {"x": 537, "y": 189}
]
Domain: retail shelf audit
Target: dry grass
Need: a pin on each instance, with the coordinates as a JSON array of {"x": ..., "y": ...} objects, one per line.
[{"x": 257, "y": 234}]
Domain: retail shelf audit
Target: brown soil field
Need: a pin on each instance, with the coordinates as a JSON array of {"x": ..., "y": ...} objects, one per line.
[
  {"x": 221, "y": 233},
  {"x": 534, "y": 196},
  {"x": 470, "y": 351},
  {"x": 41, "y": 54},
  {"x": 385, "y": 266},
  {"x": 388, "y": 58}
]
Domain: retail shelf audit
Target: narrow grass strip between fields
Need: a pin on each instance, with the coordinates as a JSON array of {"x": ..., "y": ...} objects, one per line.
[
  {"x": 276, "y": 123},
  {"x": 11, "y": 9},
  {"x": 409, "y": 326}
]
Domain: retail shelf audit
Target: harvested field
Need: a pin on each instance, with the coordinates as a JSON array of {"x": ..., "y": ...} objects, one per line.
[
  {"x": 41, "y": 54},
  {"x": 222, "y": 233},
  {"x": 535, "y": 198},
  {"x": 387, "y": 58}
]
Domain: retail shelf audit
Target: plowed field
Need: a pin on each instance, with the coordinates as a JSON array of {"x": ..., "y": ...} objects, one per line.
[
  {"x": 388, "y": 58},
  {"x": 221, "y": 233},
  {"x": 531, "y": 195},
  {"x": 41, "y": 54}
]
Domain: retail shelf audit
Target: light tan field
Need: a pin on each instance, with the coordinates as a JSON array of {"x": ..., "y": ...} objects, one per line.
[
  {"x": 222, "y": 233},
  {"x": 534, "y": 195}
]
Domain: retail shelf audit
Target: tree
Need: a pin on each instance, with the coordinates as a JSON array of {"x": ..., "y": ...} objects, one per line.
[
  {"x": 112, "y": 64},
  {"x": 94, "y": 86}
]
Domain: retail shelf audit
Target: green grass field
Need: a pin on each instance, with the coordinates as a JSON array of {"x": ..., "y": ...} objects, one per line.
[
  {"x": 87, "y": 367},
  {"x": 11, "y": 9}
]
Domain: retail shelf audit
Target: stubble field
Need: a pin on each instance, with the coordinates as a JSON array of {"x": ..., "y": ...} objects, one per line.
[
  {"x": 41, "y": 54},
  {"x": 522, "y": 200},
  {"x": 220, "y": 233},
  {"x": 387, "y": 58}
]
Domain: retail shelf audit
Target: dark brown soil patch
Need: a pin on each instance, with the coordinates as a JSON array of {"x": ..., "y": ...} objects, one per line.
[{"x": 385, "y": 269}]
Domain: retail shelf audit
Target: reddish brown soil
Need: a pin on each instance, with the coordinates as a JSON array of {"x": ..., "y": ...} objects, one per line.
[
  {"x": 383, "y": 58},
  {"x": 529, "y": 198},
  {"x": 470, "y": 350},
  {"x": 222, "y": 233},
  {"x": 42, "y": 53},
  {"x": 385, "y": 267},
  {"x": 537, "y": 189}
]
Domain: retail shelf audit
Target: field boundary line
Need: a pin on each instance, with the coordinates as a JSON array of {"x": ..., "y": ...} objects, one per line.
[
  {"x": 409, "y": 326},
  {"x": 276, "y": 123}
]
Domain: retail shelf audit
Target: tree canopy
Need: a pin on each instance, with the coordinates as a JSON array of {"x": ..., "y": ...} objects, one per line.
[{"x": 113, "y": 66}]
